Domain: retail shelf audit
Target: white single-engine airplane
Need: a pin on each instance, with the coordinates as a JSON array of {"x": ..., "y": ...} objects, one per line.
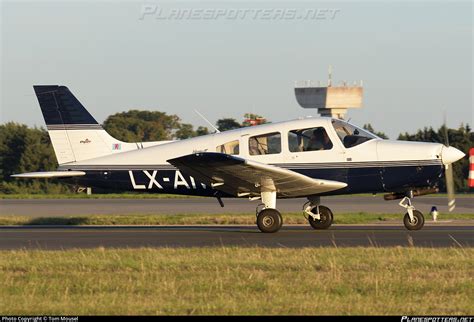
[{"x": 310, "y": 157}]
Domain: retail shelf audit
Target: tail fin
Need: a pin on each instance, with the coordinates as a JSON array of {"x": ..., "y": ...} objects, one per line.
[
  {"x": 74, "y": 132},
  {"x": 61, "y": 108}
]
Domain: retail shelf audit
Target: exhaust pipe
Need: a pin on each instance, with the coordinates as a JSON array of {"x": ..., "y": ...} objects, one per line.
[{"x": 411, "y": 194}]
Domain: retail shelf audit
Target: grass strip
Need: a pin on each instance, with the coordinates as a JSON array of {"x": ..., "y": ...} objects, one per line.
[{"x": 231, "y": 280}]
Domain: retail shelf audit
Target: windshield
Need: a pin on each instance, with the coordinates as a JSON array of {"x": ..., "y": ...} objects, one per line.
[{"x": 351, "y": 135}]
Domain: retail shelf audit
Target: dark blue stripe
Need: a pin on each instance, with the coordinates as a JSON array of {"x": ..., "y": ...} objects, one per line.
[{"x": 359, "y": 180}]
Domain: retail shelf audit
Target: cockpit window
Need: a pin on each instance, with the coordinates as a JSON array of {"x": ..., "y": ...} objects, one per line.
[
  {"x": 265, "y": 144},
  {"x": 231, "y": 147},
  {"x": 351, "y": 135},
  {"x": 312, "y": 139}
]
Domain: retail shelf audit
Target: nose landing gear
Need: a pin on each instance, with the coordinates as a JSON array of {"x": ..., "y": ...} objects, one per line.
[
  {"x": 319, "y": 217},
  {"x": 413, "y": 219}
]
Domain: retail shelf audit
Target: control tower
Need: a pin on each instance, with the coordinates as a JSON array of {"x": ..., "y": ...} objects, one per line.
[{"x": 333, "y": 101}]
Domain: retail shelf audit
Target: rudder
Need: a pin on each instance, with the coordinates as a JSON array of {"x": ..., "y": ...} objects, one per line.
[{"x": 62, "y": 109}]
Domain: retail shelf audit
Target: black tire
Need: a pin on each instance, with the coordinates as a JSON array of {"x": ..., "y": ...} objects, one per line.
[
  {"x": 326, "y": 218},
  {"x": 418, "y": 221},
  {"x": 269, "y": 220}
]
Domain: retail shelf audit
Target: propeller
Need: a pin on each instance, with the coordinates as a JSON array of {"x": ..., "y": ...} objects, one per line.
[
  {"x": 449, "y": 173},
  {"x": 450, "y": 187}
]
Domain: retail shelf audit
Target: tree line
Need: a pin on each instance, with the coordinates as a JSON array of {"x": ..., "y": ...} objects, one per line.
[{"x": 26, "y": 149}]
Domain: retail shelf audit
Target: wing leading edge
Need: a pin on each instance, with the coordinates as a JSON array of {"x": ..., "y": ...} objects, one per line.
[{"x": 241, "y": 177}]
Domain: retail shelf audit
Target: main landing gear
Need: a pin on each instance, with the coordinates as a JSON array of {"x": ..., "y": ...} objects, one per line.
[
  {"x": 269, "y": 219},
  {"x": 413, "y": 219}
]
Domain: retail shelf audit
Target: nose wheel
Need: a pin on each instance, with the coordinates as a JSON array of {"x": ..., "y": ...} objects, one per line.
[
  {"x": 416, "y": 222},
  {"x": 321, "y": 217},
  {"x": 413, "y": 219}
]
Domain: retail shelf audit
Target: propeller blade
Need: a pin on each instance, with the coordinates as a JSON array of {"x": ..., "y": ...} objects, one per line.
[
  {"x": 446, "y": 138},
  {"x": 450, "y": 187},
  {"x": 448, "y": 173}
]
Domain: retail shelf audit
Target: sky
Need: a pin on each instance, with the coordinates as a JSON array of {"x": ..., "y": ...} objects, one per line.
[{"x": 414, "y": 57}]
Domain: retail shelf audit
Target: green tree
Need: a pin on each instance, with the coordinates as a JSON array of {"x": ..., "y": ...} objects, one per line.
[
  {"x": 250, "y": 119},
  {"x": 23, "y": 149},
  {"x": 185, "y": 131},
  {"x": 227, "y": 124},
  {"x": 369, "y": 128},
  {"x": 461, "y": 138},
  {"x": 202, "y": 130},
  {"x": 143, "y": 126}
]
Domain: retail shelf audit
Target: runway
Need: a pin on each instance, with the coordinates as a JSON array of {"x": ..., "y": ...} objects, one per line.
[
  {"x": 381, "y": 235},
  {"x": 338, "y": 204},
  {"x": 432, "y": 235}
]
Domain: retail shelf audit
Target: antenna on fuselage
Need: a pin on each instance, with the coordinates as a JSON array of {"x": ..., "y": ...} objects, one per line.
[{"x": 205, "y": 119}]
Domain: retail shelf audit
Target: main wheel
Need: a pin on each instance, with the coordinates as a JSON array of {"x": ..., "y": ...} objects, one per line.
[
  {"x": 417, "y": 223},
  {"x": 269, "y": 220},
  {"x": 325, "y": 220}
]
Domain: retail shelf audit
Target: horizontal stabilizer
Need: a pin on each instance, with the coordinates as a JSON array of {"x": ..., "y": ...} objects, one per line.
[{"x": 50, "y": 174}]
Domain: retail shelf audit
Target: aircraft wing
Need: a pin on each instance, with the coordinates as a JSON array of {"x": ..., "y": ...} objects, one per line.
[
  {"x": 50, "y": 174},
  {"x": 241, "y": 177}
]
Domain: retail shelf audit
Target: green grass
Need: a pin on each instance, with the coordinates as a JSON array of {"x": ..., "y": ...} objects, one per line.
[
  {"x": 203, "y": 219},
  {"x": 332, "y": 281}
]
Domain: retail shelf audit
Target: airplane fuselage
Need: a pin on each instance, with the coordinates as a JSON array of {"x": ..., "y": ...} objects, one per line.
[{"x": 372, "y": 166}]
